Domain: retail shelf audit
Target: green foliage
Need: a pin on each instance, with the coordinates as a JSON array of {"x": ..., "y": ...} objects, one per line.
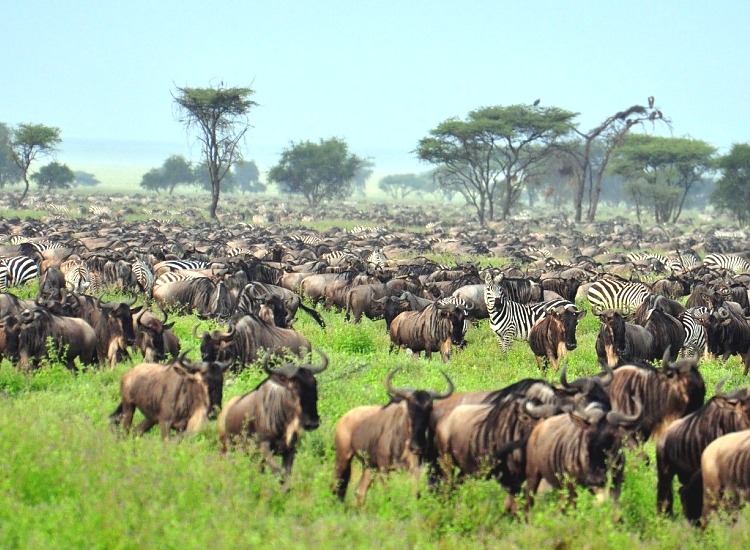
[
  {"x": 175, "y": 170},
  {"x": 85, "y": 179},
  {"x": 247, "y": 177},
  {"x": 734, "y": 183},
  {"x": 400, "y": 186},
  {"x": 29, "y": 142},
  {"x": 317, "y": 171},
  {"x": 10, "y": 172},
  {"x": 54, "y": 176}
]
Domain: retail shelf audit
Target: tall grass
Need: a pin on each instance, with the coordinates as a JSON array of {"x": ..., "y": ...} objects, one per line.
[{"x": 69, "y": 481}]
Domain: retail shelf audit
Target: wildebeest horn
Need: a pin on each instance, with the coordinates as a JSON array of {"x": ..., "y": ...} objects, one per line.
[
  {"x": 564, "y": 375},
  {"x": 665, "y": 364},
  {"x": 538, "y": 411},
  {"x": 447, "y": 393},
  {"x": 26, "y": 316},
  {"x": 287, "y": 371},
  {"x": 395, "y": 392},
  {"x": 181, "y": 360},
  {"x": 617, "y": 418},
  {"x": 607, "y": 374},
  {"x": 319, "y": 368},
  {"x": 719, "y": 385}
]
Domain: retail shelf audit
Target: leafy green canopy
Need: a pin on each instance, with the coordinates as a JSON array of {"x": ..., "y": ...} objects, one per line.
[
  {"x": 54, "y": 176},
  {"x": 733, "y": 188}
]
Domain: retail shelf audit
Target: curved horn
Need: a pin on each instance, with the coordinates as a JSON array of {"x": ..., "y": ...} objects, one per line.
[
  {"x": 564, "y": 375},
  {"x": 395, "y": 392},
  {"x": 320, "y": 368},
  {"x": 608, "y": 374},
  {"x": 719, "y": 386},
  {"x": 181, "y": 360},
  {"x": 26, "y": 316},
  {"x": 665, "y": 364},
  {"x": 447, "y": 393},
  {"x": 538, "y": 412},
  {"x": 621, "y": 419}
]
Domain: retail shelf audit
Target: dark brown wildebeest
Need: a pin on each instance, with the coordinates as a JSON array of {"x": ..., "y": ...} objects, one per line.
[
  {"x": 678, "y": 453},
  {"x": 275, "y": 412},
  {"x": 578, "y": 448},
  {"x": 437, "y": 327},
  {"x": 202, "y": 295},
  {"x": 180, "y": 395},
  {"x": 619, "y": 342},
  {"x": 248, "y": 335},
  {"x": 552, "y": 336},
  {"x": 154, "y": 337},
  {"x": 384, "y": 437},
  {"x": 725, "y": 468},
  {"x": 666, "y": 394}
]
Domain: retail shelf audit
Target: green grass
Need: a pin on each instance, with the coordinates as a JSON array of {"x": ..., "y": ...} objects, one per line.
[{"x": 70, "y": 482}]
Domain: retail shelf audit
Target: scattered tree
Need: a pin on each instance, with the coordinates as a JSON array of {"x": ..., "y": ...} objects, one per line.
[
  {"x": 29, "y": 142},
  {"x": 54, "y": 176},
  {"x": 360, "y": 178},
  {"x": 176, "y": 170},
  {"x": 317, "y": 171},
  {"x": 219, "y": 116},
  {"x": 10, "y": 173},
  {"x": 733, "y": 187},
  {"x": 593, "y": 154},
  {"x": 247, "y": 176},
  {"x": 487, "y": 156},
  {"x": 202, "y": 178},
  {"x": 400, "y": 186},
  {"x": 153, "y": 180},
  {"x": 661, "y": 171},
  {"x": 84, "y": 179}
]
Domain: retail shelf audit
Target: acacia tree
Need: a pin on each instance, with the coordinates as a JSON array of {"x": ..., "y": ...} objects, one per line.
[
  {"x": 247, "y": 176},
  {"x": 54, "y": 176},
  {"x": 10, "y": 173},
  {"x": 400, "y": 186},
  {"x": 219, "y": 116},
  {"x": 733, "y": 187},
  {"x": 662, "y": 171},
  {"x": 486, "y": 156},
  {"x": 317, "y": 171},
  {"x": 591, "y": 155},
  {"x": 29, "y": 142}
]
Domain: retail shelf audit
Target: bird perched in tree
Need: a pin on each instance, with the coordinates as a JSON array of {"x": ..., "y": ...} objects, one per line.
[
  {"x": 536, "y": 102},
  {"x": 651, "y": 102}
]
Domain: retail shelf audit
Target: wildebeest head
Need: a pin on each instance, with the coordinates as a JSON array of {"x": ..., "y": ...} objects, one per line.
[
  {"x": 300, "y": 379},
  {"x": 122, "y": 313},
  {"x": 150, "y": 335},
  {"x": 613, "y": 322},
  {"x": 419, "y": 407},
  {"x": 212, "y": 374},
  {"x": 568, "y": 317},
  {"x": 214, "y": 343},
  {"x": 684, "y": 377},
  {"x": 591, "y": 389}
]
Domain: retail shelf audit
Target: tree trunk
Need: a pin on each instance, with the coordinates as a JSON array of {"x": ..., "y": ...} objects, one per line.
[
  {"x": 214, "y": 200},
  {"x": 25, "y": 191}
]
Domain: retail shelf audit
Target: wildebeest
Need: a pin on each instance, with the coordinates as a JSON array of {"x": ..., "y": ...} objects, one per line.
[
  {"x": 678, "y": 453},
  {"x": 246, "y": 336},
  {"x": 154, "y": 337},
  {"x": 275, "y": 412},
  {"x": 406, "y": 301},
  {"x": 577, "y": 448},
  {"x": 437, "y": 327},
  {"x": 666, "y": 394},
  {"x": 725, "y": 468},
  {"x": 71, "y": 338},
  {"x": 619, "y": 341},
  {"x": 202, "y": 295},
  {"x": 265, "y": 292},
  {"x": 554, "y": 335},
  {"x": 728, "y": 332},
  {"x": 180, "y": 395},
  {"x": 384, "y": 437}
]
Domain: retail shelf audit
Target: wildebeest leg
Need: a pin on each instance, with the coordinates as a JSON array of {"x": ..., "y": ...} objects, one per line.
[
  {"x": 664, "y": 495},
  {"x": 341, "y": 474},
  {"x": 364, "y": 484},
  {"x": 269, "y": 458},
  {"x": 532, "y": 484},
  {"x": 127, "y": 410},
  {"x": 691, "y": 496},
  {"x": 539, "y": 363},
  {"x": 287, "y": 462},
  {"x": 145, "y": 426}
]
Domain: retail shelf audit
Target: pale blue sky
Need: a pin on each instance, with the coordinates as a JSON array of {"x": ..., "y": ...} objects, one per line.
[{"x": 378, "y": 74}]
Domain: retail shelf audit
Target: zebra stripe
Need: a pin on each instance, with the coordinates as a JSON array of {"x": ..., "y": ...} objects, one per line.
[
  {"x": 510, "y": 320},
  {"x": 77, "y": 275},
  {"x": 177, "y": 265},
  {"x": 731, "y": 262},
  {"x": 696, "y": 340},
  {"x": 16, "y": 271},
  {"x": 376, "y": 259},
  {"x": 174, "y": 276},
  {"x": 143, "y": 275},
  {"x": 623, "y": 296}
]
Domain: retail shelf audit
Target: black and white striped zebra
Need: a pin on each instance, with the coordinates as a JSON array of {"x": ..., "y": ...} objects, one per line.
[
  {"x": 174, "y": 276},
  {"x": 16, "y": 271},
  {"x": 621, "y": 295},
  {"x": 340, "y": 258},
  {"x": 696, "y": 339},
  {"x": 312, "y": 240},
  {"x": 77, "y": 275},
  {"x": 375, "y": 260},
  {"x": 179, "y": 265},
  {"x": 144, "y": 277},
  {"x": 651, "y": 259},
  {"x": 510, "y": 320},
  {"x": 731, "y": 262}
]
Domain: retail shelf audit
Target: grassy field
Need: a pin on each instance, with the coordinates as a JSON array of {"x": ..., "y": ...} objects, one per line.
[{"x": 70, "y": 482}]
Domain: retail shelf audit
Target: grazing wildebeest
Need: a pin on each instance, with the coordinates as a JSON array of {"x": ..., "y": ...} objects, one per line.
[
  {"x": 275, "y": 412},
  {"x": 180, "y": 395},
  {"x": 578, "y": 448},
  {"x": 437, "y": 327},
  {"x": 666, "y": 394},
  {"x": 725, "y": 468},
  {"x": 384, "y": 437},
  {"x": 679, "y": 451},
  {"x": 248, "y": 335},
  {"x": 554, "y": 335}
]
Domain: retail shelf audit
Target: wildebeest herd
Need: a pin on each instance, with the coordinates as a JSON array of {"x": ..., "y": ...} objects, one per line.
[{"x": 659, "y": 313}]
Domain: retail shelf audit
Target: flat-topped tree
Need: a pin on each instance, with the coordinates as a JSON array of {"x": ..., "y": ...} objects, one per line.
[
  {"x": 28, "y": 143},
  {"x": 219, "y": 117}
]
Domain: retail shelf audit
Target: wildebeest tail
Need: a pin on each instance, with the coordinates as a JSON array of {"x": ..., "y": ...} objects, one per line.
[{"x": 314, "y": 314}]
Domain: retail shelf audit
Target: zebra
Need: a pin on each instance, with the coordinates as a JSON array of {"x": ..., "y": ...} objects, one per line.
[
  {"x": 510, "y": 320},
  {"x": 731, "y": 262},
  {"x": 696, "y": 340},
  {"x": 307, "y": 239},
  {"x": 651, "y": 259},
  {"x": 618, "y": 294},
  {"x": 179, "y": 265},
  {"x": 77, "y": 275},
  {"x": 174, "y": 276},
  {"x": 375, "y": 260},
  {"x": 143, "y": 275},
  {"x": 339, "y": 257},
  {"x": 16, "y": 271}
]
